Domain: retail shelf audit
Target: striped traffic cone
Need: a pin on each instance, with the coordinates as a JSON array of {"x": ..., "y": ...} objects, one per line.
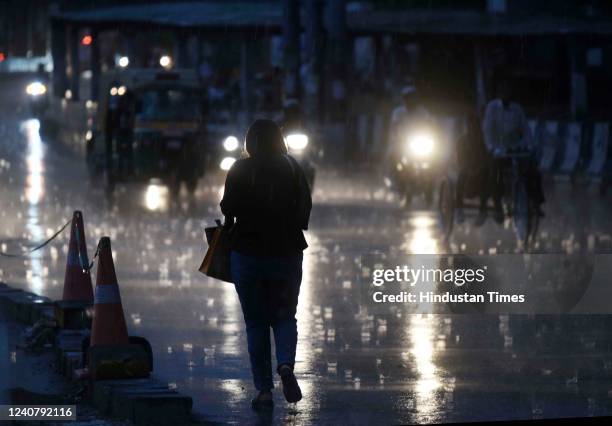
[
  {"x": 77, "y": 280},
  {"x": 108, "y": 326}
]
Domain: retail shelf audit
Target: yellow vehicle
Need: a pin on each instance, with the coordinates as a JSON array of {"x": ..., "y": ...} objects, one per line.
[{"x": 150, "y": 124}]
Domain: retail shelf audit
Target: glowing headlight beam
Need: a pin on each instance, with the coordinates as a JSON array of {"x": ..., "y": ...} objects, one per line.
[
  {"x": 165, "y": 61},
  {"x": 227, "y": 163},
  {"x": 421, "y": 145},
  {"x": 231, "y": 143},
  {"x": 36, "y": 89},
  {"x": 297, "y": 141},
  {"x": 156, "y": 197}
]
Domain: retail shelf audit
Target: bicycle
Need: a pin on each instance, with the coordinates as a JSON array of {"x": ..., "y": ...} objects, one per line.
[{"x": 517, "y": 204}]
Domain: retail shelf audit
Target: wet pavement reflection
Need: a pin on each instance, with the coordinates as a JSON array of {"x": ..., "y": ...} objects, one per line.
[{"x": 403, "y": 364}]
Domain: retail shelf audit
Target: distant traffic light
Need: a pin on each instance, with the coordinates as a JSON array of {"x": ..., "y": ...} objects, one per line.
[
  {"x": 2, "y": 57},
  {"x": 86, "y": 40}
]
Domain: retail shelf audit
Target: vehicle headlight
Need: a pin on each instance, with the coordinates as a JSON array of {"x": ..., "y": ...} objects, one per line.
[
  {"x": 297, "y": 141},
  {"x": 227, "y": 163},
  {"x": 231, "y": 143},
  {"x": 421, "y": 145},
  {"x": 36, "y": 89}
]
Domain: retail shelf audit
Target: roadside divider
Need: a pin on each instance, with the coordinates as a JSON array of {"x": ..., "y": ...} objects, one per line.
[
  {"x": 549, "y": 138},
  {"x": 575, "y": 151},
  {"x": 599, "y": 149},
  {"x": 88, "y": 332},
  {"x": 571, "y": 154}
]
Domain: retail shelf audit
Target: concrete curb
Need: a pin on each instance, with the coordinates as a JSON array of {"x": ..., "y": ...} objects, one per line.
[{"x": 143, "y": 401}]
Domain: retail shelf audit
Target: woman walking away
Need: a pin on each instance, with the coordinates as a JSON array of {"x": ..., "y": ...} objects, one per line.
[{"x": 267, "y": 203}]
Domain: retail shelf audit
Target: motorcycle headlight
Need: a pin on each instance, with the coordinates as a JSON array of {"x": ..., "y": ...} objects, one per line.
[
  {"x": 36, "y": 89},
  {"x": 421, "y": 145},
  {"x": 297, "y": 141},
  {"x": 227, "y": 163},
  {"x": 231, "y": 143}
]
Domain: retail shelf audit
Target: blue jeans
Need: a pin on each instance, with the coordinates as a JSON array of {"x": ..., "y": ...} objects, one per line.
[{"x": 268, "y": 289}]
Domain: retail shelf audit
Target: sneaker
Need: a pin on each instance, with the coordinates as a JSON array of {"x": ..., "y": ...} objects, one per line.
[
  {"x": 291, "y": 389},
  {"x": 480, "y": 219},
  {"x": 263, "y": 401}
]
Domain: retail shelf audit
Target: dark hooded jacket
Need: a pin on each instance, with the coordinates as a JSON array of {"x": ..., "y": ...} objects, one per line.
[{"x": 266, "y": 200}]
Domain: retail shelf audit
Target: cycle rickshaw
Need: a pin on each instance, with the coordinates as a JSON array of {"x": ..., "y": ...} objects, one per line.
[{"x": 517, "y": 205}]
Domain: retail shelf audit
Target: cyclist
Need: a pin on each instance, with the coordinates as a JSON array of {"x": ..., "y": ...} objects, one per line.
[{"x": 505, "y": 128}]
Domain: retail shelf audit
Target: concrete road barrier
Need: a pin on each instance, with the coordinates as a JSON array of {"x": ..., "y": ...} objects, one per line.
[
  {"x": 599, "y": 151},
  {"x": 70, "y": 340},
  {"x": 118, "y": 362},
  {"x": 23, "y": 306},
  {"x": 573, "y": 141},
  {"x": 69, "y": 362},
  {"x": 103, "y": 391},
  {"x": 550, "y": 145},
  {"x": 533, "y": 128},
  {"x": 140, "y": 399},
  {"x": 73, "y": 315}
]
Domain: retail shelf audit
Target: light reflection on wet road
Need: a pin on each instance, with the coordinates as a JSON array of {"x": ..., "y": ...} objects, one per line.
[{"x": 355, "y": 367}]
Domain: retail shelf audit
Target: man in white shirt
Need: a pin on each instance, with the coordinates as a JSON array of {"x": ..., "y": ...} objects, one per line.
[{"x": 505, "y": 127}]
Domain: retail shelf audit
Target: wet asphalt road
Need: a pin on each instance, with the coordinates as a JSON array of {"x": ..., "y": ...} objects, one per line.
[{"x": 354, "y": 367}]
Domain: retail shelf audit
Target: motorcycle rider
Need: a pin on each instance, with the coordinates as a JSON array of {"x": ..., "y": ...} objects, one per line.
[
  {"x": 505, "y": 128},
  {"x": 405, "y": 117}
]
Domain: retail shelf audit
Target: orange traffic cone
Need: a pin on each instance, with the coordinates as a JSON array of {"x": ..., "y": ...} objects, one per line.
[
  {"x": 108, "y": 326},
  {"x": 77, "y": 280}
]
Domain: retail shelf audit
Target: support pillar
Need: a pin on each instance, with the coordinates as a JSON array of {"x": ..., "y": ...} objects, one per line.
[
  {"x": 199, "y": 49},
  {"x": 75, "y": 63},
  {"x": 182, "y": 52},
  {"x": 479, "y": 80},
  {"x": 315, "y": 54},
  {"x": 337, "y": 59},
  {"x": 578, "y": 86},
  {"x": 95, "y": 66},
  {"x": 58, "y": 53},
  {"x": 291, "y": 48},
  {"x": 245, "y": 80},
  {"x": 131, "y": 50}
]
